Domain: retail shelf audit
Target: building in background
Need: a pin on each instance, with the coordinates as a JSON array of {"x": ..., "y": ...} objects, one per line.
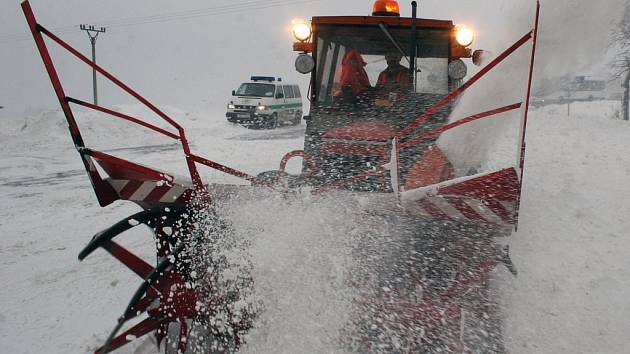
[{"x": 566, "y": 89}]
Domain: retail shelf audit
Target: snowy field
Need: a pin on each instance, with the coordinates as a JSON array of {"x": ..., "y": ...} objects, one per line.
[
  {"x": 571, "y": 248},
  {"x": 573, "y": 290}
]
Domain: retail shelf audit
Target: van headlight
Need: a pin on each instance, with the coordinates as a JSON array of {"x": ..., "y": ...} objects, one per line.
[
  {"x": 261, "y": 108},
  {"x": 231, "y": 106}
]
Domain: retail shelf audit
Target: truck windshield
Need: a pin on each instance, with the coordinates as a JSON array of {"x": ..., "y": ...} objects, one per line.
[
  {"x": 354, "y": 60},
  {"x": 256, "y": 90}
]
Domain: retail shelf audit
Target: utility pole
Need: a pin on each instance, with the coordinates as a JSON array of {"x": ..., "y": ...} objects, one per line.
[
  {"x": 569, "y": 86},
  {"x": 568, "y": 101},
  {"x": 93, "y": 33}
]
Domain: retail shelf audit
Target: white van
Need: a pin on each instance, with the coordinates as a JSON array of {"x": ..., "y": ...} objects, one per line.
[{"x": 265, "y": 102}]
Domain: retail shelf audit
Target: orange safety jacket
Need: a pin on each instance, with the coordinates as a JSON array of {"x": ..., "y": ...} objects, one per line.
[
  {"x": 353, "y": 75},
  {"x": 393, "y": 75}
]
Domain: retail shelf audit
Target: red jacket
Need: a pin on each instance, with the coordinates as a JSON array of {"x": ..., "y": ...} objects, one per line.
[{"x": 353, "y": 75}]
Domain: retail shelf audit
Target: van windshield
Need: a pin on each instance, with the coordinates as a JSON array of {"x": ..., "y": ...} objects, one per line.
[{"x": 256, "y": 90}]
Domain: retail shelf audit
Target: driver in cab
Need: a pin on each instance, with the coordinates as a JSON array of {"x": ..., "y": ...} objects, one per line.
[
  {"x": 353, "y": 84},
  {"x": 395, "y": 78}
]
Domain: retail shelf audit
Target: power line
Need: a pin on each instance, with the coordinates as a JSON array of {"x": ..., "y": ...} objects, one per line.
[
  {"x": 169, "y": 17},
  {"x": 207, "y": 12},
  {"x": 196, "y": 12}
]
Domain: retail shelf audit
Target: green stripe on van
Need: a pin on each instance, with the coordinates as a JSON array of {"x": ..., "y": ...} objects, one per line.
[{"x": 284, "y": 105}]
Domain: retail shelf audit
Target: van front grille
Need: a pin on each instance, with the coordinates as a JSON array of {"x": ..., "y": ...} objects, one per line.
[{"x": 245, "y": 108}]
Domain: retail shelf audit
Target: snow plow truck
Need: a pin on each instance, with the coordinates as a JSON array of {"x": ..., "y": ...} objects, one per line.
[{"x": 382, "y": 92}]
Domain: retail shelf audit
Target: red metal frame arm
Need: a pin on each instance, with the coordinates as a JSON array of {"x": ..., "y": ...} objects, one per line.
[
  {"x": 104, "y": 192},
  {"x": 133, "y": 262},
  {"x": 223, "y": 168},
  {"x": 457, "y": 123},
  {"x": 111, "y": 77},
  {"x": 142, "y": 328},
  {"x": 142, "y": 305},
  {"x": 122, "y": 116},
  {"x": 52, "y": 73},
  {"x": 521, "y": 152},
  {"x": 529, "y": 88},
  {"x": 183, "y": 337},
  {"x": 451, "y": 96}
]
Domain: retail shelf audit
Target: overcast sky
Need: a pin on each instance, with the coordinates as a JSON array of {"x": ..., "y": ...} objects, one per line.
[{"x": 191, "y": 54}]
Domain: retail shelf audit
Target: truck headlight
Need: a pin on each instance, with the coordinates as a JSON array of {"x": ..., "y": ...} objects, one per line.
[
  {"x": 231, "y": 106},
  {"x": 301, "y": 30},
  {"x": 261, "y": 108},
  {"x": 464, "y": 35}
]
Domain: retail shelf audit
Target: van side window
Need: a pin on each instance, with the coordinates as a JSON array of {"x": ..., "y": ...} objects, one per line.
[
  {"x": 296, "y": 91},
  {"x": 279, "y": 91},
  {"x": 288, "y": 91}
]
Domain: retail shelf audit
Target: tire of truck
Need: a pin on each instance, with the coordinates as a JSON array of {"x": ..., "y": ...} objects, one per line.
[
  {"x": 298, "y": 118},
  {"x": 273, "y": 121}
]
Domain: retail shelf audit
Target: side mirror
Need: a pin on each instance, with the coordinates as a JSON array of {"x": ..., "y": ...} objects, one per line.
[
  {"x": 480, "y": 56},
  {"x": 279, "y": 95},
  {"x": 307, "y": 118},
  {"x": 233, "y": 93}
]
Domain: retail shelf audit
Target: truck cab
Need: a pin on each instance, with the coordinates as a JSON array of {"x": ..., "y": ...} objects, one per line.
[
  {"x": 355, "y": 111},
  {"x": 265, "y": 102}
]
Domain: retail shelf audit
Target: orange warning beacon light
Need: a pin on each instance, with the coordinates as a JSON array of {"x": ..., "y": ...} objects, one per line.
[{"x": 386, "y": 8}]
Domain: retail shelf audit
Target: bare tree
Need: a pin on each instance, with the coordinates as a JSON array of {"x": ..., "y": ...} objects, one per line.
[{"x": 621, "y": 62}]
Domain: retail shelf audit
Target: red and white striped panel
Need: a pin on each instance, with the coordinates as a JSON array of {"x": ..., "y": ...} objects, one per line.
[
  {"x": 150, "y": 192},
  {"x": 458, "y": 208},
  {"x": 487, "y": 197}
]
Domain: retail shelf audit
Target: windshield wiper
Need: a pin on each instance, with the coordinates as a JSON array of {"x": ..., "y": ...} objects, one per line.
[{"x": 394, "y": 41}]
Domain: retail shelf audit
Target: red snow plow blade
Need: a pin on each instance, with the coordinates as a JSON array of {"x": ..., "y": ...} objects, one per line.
[
  {"x": 428, "y": 191},
  {"x": 486, "y": 198}
]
